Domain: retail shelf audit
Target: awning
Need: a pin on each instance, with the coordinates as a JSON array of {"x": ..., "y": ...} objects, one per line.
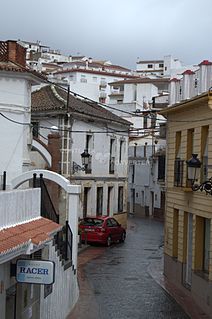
[{"x": 34, "y": 233}]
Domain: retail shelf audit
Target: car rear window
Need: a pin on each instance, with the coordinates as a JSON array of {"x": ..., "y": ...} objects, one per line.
[{"x": 92, "y": 222}]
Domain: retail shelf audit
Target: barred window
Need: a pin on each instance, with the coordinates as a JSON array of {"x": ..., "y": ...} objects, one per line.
[{"x": 178, "y": 172}]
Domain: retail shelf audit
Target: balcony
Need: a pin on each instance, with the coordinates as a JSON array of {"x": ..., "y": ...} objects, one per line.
[
  {"x": 103, "y": 95},
  {"x": 103, "y": 84}
]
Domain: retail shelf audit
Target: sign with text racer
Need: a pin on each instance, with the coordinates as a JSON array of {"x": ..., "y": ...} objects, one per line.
[{"x": 35, "y": 271}]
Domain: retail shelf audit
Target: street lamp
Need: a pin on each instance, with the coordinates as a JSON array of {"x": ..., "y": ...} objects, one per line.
[
  {"x": 85, "y": 156},
  {"x": 193, "y": 165}
]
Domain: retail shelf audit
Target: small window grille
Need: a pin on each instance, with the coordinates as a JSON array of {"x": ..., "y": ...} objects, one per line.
[{"x": 178, "y": 172}]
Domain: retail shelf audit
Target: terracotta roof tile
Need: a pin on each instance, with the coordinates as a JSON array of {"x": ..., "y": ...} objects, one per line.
[
  {"x": 138, "y": 80},
  {"x": 101, "y": 72},
  {"x": 189, "y": 72},
  {"x": 13, "y": 67},
  {"x": 51, "y": 98},
  {"x": 37, "y": 232},
  {"x": 205, "y": 62}
]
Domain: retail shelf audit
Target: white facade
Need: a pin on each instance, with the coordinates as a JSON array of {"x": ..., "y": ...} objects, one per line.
[
  {"x": 191, "y": 82},
  {"x": 99, "y": 149},
  {"x": 136, "y": 97},
  {"x": 15, "y": 105},
  {"x": 146, "y": 190},
  {"x": 19, "y": 207},
  {"x": 91, "y": 84}
]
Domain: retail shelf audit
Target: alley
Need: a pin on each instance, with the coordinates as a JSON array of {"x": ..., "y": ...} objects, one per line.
[{"x": 115, "y": 282}]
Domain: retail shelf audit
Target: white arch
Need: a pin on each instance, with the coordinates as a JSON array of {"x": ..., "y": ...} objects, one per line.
[
  {"x": 52, "y": 176},
  {"x": 43, "y": 152},
  {"x": 73, "y": 199}
]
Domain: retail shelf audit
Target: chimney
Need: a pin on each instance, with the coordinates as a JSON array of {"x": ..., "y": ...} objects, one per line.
[{"x": 11, "y": 51}]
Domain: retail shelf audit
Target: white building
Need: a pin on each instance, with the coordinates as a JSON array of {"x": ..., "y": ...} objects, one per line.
[
  {"x": 90, "y": 78},
  {"x": 86, "y": 126},
  {"x": 146, "y": 191},
  {"x": 141, "y": 99},
  {"x": 191, "y": 82},
  {"x": 24, "y": 232},
  {"x": 166, "y": 67}
]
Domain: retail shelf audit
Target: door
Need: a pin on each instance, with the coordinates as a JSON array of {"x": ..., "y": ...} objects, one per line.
[
  {"x": 99, "y": 201},
  {"x": 188, "y": 275},
  {"x": 85, "y": 203},
  {"x": 109, "y": 201},
  {"x": 11, "y": 303},
  {"x": 132, "y": 201}
]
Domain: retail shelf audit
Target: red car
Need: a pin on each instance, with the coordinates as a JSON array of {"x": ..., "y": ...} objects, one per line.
[{"x": 101, "y": 229}]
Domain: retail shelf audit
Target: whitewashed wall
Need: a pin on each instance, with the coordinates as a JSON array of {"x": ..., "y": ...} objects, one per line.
[
  {"x": 15, "y": 100},
  {"x": 19, "y": 206},
  {"x": 65, "y": 292}
]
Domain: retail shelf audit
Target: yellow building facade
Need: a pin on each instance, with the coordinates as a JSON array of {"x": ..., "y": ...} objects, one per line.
[{"x": 188, "y": 215}]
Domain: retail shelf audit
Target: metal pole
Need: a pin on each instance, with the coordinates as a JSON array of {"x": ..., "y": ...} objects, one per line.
[
  {"x": 66, "y": 244},
  {"x": 4, "y": 180},
  {"x": 34, "y": 180}
]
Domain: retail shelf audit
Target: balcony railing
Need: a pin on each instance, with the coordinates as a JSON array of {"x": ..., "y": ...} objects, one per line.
[{"x": 178, "y": 172}]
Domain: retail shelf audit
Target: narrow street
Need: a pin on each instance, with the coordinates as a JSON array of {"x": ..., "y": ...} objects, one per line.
[{"x": 116, "y": 282}]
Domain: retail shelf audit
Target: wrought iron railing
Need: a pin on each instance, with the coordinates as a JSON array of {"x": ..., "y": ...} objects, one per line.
[
  {"x": 178, "y": 172},
  {"x": 47, "y": 207},
  {"x": 64, "y": 241}
]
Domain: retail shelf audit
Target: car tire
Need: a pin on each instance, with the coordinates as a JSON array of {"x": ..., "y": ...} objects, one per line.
[
  {"x": 123, "y": 237},
  {"x": 109, "y": 241}
]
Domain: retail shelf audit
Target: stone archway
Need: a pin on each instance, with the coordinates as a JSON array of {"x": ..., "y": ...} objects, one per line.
[{"x": 73, "y": 192}]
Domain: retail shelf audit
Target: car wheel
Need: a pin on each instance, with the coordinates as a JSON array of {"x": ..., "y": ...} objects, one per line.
[
  {"x": 123, "y": 237},
  {"x": 109, "y": 241}
]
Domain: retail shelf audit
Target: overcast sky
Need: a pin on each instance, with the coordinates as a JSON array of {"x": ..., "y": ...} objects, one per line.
[{"x": 116, "y": 30}]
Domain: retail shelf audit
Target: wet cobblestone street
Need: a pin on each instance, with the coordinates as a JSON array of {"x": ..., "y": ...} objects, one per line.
[{"x": 115, "y": 282}]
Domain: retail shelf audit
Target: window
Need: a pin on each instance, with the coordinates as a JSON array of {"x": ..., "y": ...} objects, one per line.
[
  {"x": 121, "y": 150},
  {"x": 95, "y": 78},
  {"x": 83, "y": 79},
  {"x": 135, "y": 150},
  {"x": 178, "y": 164},
  {"x": 145, "y": 149},
  {"x": 114, "y": 222},
  {"x": 99, "y": 201},
  {"x": 153, "y": 120},
  {"x": 190, "y": 148},
  {"x": 120, "y": 198},
  {"x": 160, "y": 65},
  {"x": 178, "y": 172},
  {"x": 88, "y": 142},
  {"x": 204, "y": 153},
  {"x": 133, "y": 173},
  {"x": 112, "y": 156},
  {"x": 145, "y": 121},
  {"x": 149, "y": 66},
  {"x": 88, "y": 147},
  {"x": 161, "y": 167},
  {"x": 35, "y": 129},
  {"x": 202, "y": 244}
]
